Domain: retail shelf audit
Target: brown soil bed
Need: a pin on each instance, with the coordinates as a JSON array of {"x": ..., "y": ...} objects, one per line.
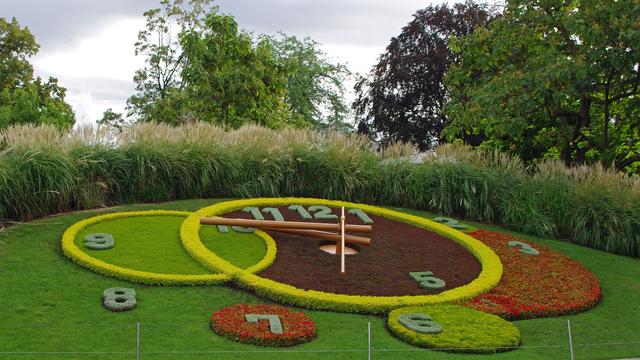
[{"x": 381, "y": 269}]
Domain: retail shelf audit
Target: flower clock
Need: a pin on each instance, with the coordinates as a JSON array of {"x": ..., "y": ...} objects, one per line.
[{"x": 441, "y": 284}]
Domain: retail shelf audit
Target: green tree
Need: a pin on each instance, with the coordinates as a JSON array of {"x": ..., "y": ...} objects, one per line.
[
  {"x": 24, "y": 99},
  {"x": 159, "y": 86},
  {"x": 232, "y": 81},
  {"x": 314, "y": 87},
  {"x": 552, "y": 78},
  {"x": 112, "y": 119}
]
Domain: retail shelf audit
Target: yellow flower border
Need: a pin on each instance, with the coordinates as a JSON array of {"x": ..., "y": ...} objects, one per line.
[
  {"x": 489, "y": 276},
  {"x": 77, "y": 255}
]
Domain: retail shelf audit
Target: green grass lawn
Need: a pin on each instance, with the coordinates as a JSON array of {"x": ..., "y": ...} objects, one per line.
[
  {"x": 152, "y": 243},
  {"x": 51, "y": 307}
]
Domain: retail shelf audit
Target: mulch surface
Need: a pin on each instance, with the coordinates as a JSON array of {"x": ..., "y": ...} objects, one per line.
[{"x": 380, "y": 269}]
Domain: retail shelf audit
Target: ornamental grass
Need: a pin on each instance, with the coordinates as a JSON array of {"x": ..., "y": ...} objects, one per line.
[{"x": 44, "y": 170}]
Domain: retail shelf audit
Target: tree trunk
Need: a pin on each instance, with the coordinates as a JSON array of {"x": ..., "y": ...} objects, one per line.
[{"x": 585, "y": 121}]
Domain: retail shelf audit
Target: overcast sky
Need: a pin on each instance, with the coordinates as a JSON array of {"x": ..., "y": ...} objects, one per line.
[{"x": 88, "y": 44}]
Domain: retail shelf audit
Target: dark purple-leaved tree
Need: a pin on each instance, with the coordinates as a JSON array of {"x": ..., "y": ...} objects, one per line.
[{"x": 403, "y": 96}]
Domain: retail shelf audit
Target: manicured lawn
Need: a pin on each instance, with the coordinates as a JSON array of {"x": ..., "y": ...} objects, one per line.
[
  {"x": 152, "y": 243},
  {"x": 49, "y": 304},
  {"x": 242, "y": 250},
  {"x": 146, "y": 243}
]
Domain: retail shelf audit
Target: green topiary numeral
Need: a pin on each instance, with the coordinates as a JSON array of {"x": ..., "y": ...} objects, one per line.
[
  {"x": 274, "y": 212},
  {"x": 322, "y": 212},
  {"x": 452, "y": 223},
  {"x": 99, "y": 241},
  {"x": 119, "y": 299},
  {"x": 524, "y": 247},
  {"x": 255, "y": 212},
  {"x": 275, "y": 326},
  {"x": 420, "y": 323},
  {"x": 362, "y": 216},
  {"x": 242, "y": 229},
  {"x": 427, "y": 280},
  {"x": 304, "y": 214}
]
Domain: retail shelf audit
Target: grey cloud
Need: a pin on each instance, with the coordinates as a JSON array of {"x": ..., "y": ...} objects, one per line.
[
  {"x": 60, "y": 23},
  {"x": 360, "y": 22},
  {"x": 105, "y": 89}
]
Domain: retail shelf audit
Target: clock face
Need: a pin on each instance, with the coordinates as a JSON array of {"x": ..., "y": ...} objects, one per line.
[
  {"x": 411, "y": 260},
  {"x": 409, "y": 267},
  {"x": 383, "y": 268}
]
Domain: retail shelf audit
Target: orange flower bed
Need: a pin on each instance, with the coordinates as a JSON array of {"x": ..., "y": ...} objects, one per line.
[
  {"x": 230, "y": 322},
  {"x": 533, "y": 286}
]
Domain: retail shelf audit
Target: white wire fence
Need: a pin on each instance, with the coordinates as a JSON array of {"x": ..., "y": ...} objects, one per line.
[{"x": 129, "y": 342}]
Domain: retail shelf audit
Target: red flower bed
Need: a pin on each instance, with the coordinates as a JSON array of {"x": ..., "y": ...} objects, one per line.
[
  {"x": 548, "y": 284},
  {"x": 230, "y": 322}
]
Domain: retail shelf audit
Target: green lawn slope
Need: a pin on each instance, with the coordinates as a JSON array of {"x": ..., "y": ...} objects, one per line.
[{"x": 50, "y": 309}]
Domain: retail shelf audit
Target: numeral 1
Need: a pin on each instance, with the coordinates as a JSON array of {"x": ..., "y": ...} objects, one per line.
[
  {"x": 304, "y": 214},
  {"x": 275, "y": 213},
  {"x": 255, "y": 212},
  {"x": 361, "y": 215}
]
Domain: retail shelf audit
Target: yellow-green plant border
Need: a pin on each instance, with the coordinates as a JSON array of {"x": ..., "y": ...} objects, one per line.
[
  {"x": 77, "y": 255},
  {"x": 489, "y": 276}
]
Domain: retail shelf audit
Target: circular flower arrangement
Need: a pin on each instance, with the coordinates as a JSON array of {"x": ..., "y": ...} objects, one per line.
[
  {"x": 251, "y": 324},
  {"x": 548, "y": 284}
]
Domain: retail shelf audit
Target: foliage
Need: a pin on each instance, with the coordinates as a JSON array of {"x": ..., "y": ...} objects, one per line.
[
  {"x": 24, "y": 99},
  {"x": 549, "y": 284},
  {"x": 314, "y": 87},
  {"x": 44, "y": 170},
  {"x": 555, "y": 79},
  {"x": 201, "y": 67},
  {"x": 463, "y": 330},
  {"x": 17, "y": 45},
  {"x": 487, "y": 279},
  {"x": 230, "y": 323},
  {"x": 230, "y": 80},
  {"x": 112, "y": 120},
  {"x": 159, "y": 86},
  {"x": 403, "y": 96}
]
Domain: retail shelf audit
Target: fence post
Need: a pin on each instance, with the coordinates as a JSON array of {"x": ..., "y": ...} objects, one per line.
[
  {"x": 570, "y": 339},
  {"x": 138, "y": 341},
  {"x": 369, "y": 338}
]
